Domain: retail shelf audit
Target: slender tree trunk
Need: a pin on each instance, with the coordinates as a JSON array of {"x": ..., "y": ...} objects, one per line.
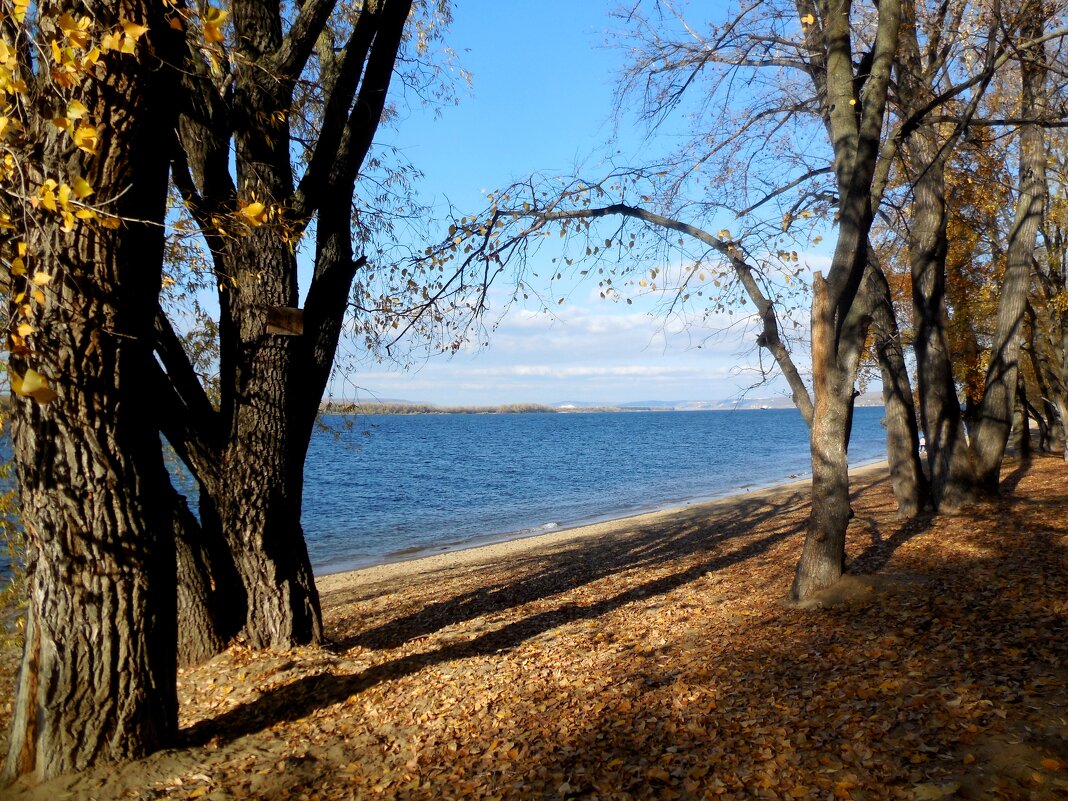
[
  {"x": 951, "y": 471},
  {"x": 1020, "y": 435},
  {"x": 97, "y": 681},
  {"x": 995, "y": 418},
  {"x": 902, "y": 433}
]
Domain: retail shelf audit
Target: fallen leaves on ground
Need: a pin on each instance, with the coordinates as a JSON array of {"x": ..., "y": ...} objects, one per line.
[{"x": 659, "y": 661}]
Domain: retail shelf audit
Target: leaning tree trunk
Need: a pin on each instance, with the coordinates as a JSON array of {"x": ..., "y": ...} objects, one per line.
[
  {"x": 97, "y": 681},
  {"x": 995, "y": 417},
  {"x": 202, "y": 608}
]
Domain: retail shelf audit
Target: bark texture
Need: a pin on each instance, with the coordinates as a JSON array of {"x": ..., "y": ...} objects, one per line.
[
  {"x": 97, "y": 681},
  {"x": 249, "y": 454}
]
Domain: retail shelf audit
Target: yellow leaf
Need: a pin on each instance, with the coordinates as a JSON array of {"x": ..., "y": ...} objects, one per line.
[
  {"x": 213, "y": 20},
  {"x": 110, "y": 222},
  {"x": 57, "y": 52},
  {"x": 111, "y": 41},
  {"x": 85, "y": 214},
  {"x": 41, "y": 278},
  {"x": 32, "y": 385},
  {"x": 808, "y": 19},
  {"x": 62, "y": 123},
  {"x": 133, "y": 29},
  {"x": 81, "y": 188},
  {"x": 68, "y": 222},
  {"x": 25, "y": 329},
  {"x": 76, "y": 110},
  {"x": 85, "y": 137},
  {"x": 255, "y": 213},
  {"x": 128, "y": 46},
  {"x": 75, "y": 31},
  {"x": 724, "y": 234},
  {"x": 38, "y": 296}
]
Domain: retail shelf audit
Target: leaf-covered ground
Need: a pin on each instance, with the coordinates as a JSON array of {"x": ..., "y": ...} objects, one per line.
[{"x": 657, "y": 660}]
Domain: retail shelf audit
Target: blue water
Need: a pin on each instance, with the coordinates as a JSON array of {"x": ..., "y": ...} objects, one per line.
[
  {"x": 386, "y": 487},
  {"x": 400, "y": 486}
]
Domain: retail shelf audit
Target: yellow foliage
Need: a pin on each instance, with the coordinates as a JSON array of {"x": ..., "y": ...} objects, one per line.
[
  {"x": 86, "y": 138},
  {"x": 32, "y": 385}
]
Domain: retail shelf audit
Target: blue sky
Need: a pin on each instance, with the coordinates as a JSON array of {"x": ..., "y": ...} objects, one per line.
[{"x": 541, "y": 101}]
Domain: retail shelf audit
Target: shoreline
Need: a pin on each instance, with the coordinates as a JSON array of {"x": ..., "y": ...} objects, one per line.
[{"x": 472, "y": 552}]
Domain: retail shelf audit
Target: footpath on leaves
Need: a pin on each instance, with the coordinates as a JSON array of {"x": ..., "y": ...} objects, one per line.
[{"x": 655, "y": 659}]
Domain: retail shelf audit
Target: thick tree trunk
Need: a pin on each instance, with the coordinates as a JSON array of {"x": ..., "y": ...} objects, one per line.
[
  {"x": 951, "y": 472},
  {"x": 272, "y": 384},
  {"x": 97, "y": 681},
  {"x": 839, "y": 316},
  {"x": 995, "y": 418},
  {"x": 259, "y": 498},
  {"x": 823, "y": 555}
]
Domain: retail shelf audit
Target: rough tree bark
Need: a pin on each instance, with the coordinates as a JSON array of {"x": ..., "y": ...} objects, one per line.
[
  {"x": 97, "y": 681},
  {"x": 249, "y": 455}
]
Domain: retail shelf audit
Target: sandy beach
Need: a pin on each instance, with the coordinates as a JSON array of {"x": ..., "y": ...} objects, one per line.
[
  {"x": 653, "y": 657},
  {"x": 524, "y": 547}
]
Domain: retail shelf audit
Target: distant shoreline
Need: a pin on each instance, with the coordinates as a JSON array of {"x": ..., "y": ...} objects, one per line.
[{"x": 392, "y": 407}]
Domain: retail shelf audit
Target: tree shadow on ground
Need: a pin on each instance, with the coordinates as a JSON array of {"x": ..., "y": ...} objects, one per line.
[
  {"x": 878, "y": 554},
  {"x": 574, "y": 565},
  {"x": 547, "y": 575}
]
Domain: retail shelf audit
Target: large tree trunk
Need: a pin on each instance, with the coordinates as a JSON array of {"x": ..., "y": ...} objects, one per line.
[
  {"x": 259, "y": 499},
  {"x": 839, "y": 317},
  {"x": 823, "y": 556},
  {"x": 97, "y": 681},
  {"x": 995, "y": 417}
]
